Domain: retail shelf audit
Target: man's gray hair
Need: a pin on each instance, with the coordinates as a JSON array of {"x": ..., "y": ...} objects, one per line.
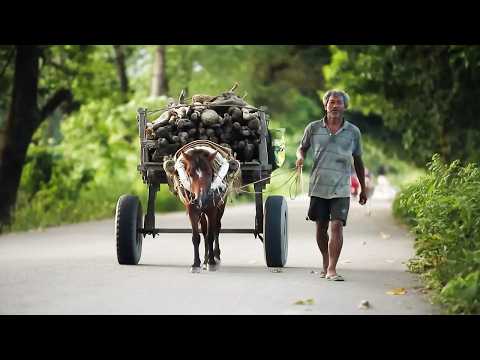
[{"x": 334, "y": 92}]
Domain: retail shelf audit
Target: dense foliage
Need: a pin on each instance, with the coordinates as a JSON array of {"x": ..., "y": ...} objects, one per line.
[
  {"x": 425, "y": 94},
  {"x": 443, "y": 209}
]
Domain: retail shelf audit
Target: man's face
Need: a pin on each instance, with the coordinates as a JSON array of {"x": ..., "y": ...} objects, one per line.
[{"x": 335, "y": 105}]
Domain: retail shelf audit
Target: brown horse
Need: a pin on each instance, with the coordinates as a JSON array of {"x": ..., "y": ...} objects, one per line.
[{"x": 206, "y": 206}]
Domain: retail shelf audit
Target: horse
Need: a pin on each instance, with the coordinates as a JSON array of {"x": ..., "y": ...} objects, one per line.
[{"x": 206, "y": 206}]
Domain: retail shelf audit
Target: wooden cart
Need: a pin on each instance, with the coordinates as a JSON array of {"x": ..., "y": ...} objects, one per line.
[{"x": 270, "y": 218}]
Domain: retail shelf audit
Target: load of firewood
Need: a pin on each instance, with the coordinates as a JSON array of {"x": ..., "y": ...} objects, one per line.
[{"x": 225, "y": 119}]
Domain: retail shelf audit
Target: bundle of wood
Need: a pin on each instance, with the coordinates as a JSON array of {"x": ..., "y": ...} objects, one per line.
[{"x": 225, "y": 119}]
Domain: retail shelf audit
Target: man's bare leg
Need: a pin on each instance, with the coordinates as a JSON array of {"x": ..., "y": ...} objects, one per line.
[
  {"x": 322, "y": 241},
  {"x": 334, "y": 247}
]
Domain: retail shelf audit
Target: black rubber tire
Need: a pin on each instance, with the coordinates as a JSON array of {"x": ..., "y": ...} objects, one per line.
[
  {"x": 128, "y": 219},
  {"x": 275, "y": 241}
]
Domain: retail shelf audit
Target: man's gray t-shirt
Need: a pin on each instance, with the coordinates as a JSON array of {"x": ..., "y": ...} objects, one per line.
[{"x": 332, "y": 158}]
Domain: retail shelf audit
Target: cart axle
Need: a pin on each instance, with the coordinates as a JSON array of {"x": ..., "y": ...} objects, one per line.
[{"x": 189, "y": 231}]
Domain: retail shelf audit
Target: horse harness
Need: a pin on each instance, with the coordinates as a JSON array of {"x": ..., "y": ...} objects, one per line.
[{"x": 178, "y": 188}]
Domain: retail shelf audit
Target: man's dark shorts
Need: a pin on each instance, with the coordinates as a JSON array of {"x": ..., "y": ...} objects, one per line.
[{"x": 329, "y": 209}]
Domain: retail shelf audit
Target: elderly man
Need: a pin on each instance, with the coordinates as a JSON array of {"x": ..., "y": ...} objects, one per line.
[{"x": 333, "y": 141}]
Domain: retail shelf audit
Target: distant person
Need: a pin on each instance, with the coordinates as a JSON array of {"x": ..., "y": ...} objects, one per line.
[
  {"x": 355, "y": 184},
  {"x": 382, "y": 170},
  {"x": 369, "y": 185},
  {"x": 333, "y": 141}
]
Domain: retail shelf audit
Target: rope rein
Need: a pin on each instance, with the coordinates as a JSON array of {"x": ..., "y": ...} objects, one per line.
[
  {"x": 295, "y": 174},
  {"x": 295, "y": 181}
]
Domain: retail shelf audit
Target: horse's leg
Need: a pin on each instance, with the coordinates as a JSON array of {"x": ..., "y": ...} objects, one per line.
[
  {"x": 204, "y": 225},
  {"x": 194, "y": 218},
  {"x": 212, "y": 222},
  {"x": 216, "y": 251}
]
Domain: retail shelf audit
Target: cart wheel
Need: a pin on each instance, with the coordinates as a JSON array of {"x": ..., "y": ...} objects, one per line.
[
  {"x": 128, "y": 219},
  {"x": 275, "y": 242}
]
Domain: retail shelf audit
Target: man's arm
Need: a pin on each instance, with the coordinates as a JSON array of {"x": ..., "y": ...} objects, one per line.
[
  {"x": 360, "y": 170},
  {"x": 303, "y": 147},
  {"x": 300, "y": 156}
]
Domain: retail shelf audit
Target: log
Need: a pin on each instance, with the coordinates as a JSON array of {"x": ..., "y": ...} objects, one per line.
[
  {"x": 164, "y": 131},
  {"x": 162, "y": 142},
  {"x": 210, "y": 132},
  {"x": 254, "y": 124},
  {"x": 248, "y": 152},
  {"x": 209, "y": 117},
  {"x": 181, "y": 112},
  {"x": 162, "y": 119},
  {"x": 199, "y": 108},
  {"x": 183, "y": 134},
  {"x": 227, "y": 119},
  {"x": 185, "y": 124},
  {"x": 226, "y": 99},
  {"x": 169, "y": 149},
  {"x": 247, "y": 116},
  {"x": 226, "y": 137},
  {"x": 235, "y": 114},
  {"x": 200, "y": 98},
  {"x": 195, "y": 116},
  {"x": 245, "y": 132}
]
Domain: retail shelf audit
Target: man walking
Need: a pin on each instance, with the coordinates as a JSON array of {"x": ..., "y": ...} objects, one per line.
[{"x": 333, "y": 141}]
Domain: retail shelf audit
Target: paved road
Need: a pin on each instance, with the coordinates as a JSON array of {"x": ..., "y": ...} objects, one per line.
[{"x": 73, "y": 270}]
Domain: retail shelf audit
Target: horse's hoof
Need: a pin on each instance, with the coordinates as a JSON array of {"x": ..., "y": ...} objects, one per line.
[
  {"x": 195, "y": 269},
  {"x": 204, "y": 266},
  {"x": 212, "y": 267}
]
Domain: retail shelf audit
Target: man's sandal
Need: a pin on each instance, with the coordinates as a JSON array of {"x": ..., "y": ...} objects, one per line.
[{"x": 335, "y": 278}]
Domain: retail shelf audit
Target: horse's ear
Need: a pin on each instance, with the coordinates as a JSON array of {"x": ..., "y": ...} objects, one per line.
[{"x": 211, "y": 157}]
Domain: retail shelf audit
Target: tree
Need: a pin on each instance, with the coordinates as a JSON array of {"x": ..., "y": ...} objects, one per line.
[
  {"x": 24, "y": 117},
  {"x": 7, "y": 63},
  {"x": 286, "y": 79},
  {"x": 427, "y": 94},
  {"x": 121, "y": 69},
  {"x": 159, "y": 78}
]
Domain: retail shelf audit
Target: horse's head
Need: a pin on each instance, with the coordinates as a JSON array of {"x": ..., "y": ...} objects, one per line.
[{"x": 198, "y": 166}]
